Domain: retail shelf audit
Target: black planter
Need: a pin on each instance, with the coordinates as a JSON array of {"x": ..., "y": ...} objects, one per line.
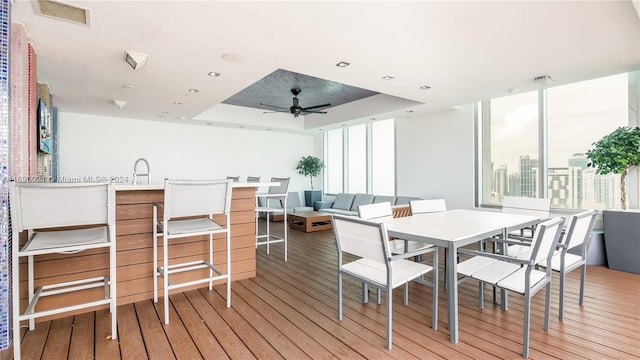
[
  {"x": 622, "y": 239},
  {"x": 311, "y": 196}
]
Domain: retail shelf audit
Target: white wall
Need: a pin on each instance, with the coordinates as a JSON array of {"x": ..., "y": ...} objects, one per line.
[
  {"x": 93, "y": 146},
  {"x": 435, "y": 157}
]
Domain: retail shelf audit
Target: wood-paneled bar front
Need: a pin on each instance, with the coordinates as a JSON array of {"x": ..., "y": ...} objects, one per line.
[{"x": 134, "y": 243}]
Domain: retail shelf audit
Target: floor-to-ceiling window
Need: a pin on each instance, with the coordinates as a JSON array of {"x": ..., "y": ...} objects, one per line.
[
  {"x": 357, "y": 159},
  {"x": 361, "y": 158},
  {"x": 534, "y": 144},
  {"x": 383, "y": 157},
  {"x": 333, "y": 161}
]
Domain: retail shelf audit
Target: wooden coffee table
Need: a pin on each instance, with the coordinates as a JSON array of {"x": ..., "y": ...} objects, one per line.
[{"x": 309, "y": 221}]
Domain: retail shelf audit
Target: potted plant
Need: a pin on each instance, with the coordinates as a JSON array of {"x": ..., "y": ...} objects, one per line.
[
  {"x": 616, "y": 153},
  {"x": 311, "y": 166}
]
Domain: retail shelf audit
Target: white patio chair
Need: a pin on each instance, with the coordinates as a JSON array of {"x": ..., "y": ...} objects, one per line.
[
  {"x": 191, "y": 208},
  {"x": 400, "y": 248},
  {"x": 578, "y": 234},
  {"x": 277, "y": 193},
  {"x": 47, "y": 211},
  {"x": 376, "y": 266},
  {"x": 521, "y": 275}
]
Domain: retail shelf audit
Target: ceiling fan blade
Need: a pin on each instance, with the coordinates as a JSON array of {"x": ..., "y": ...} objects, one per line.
[
  {"x": 316, "y": 107},
  {"x": 275, "y": 111},
  {"x": 314, "y": 111},
  {"x": 274, "y": 106}
]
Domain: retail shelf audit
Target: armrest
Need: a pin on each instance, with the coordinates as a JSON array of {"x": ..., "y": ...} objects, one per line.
[{"x": 506, "y": 258}]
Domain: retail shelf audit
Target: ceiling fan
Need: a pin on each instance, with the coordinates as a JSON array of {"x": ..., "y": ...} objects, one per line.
[{"x": 296, "y": 109}]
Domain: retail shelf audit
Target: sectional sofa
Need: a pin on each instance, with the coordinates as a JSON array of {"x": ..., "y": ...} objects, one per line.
[{"x": 347, "y": 203}]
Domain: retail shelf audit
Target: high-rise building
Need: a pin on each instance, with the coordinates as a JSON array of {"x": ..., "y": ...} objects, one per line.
[
  {"x": 500, "y": 182},
  {"x": 577, "y": 165},
  {"x": 528, "y": 176},
  {"x": 559, "y": 190}
]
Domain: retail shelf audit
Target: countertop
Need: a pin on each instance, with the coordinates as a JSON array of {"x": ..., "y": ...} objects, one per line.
[{"x": 236, "y": 184}]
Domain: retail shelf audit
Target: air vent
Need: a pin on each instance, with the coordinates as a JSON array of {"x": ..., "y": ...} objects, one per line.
[{"x": 62, "y": 11}]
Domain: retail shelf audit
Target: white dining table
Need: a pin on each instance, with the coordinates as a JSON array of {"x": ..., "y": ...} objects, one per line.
[{"x": 453, "y": 229}]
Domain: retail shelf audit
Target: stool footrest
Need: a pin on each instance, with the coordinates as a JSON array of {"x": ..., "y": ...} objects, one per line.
[
  {"x": 66, "y": 287},
  {"x": 189, "y": 266}
]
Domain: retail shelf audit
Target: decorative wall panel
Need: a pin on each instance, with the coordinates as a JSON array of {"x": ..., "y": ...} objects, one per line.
[{"x": 5, "y": 225}]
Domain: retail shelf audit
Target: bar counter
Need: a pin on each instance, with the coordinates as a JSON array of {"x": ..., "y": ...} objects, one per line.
[{"x": 134, "y": 244}]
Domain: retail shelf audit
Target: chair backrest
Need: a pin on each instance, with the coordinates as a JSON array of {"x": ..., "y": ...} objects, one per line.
[
  {"x": 51, "y": 205},
  {"x": 253, "y": 178},
  {"x": 579, "y": 230},
  {"x": 375, "y": 211},
  {"x": 527, "y": 206},
  {"x": 234, "y": 178},
  {"x": 361, "y": 238},
  {"x": 545, "y": 240},
  {"x": 427, "y": 206},
  {"x": 283, "y": 189},
  {"x": 196, "y": 197}
]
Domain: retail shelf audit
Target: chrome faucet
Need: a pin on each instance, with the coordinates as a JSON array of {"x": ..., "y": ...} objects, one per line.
[{"x": 135, "y": 171}]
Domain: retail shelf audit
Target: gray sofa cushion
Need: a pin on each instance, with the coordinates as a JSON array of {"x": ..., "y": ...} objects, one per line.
[
  {"x": 343, "y": 201},
  {"x": 361, "y": 199},
  {"x": 384, "y": 198},
  {"x": 404, "y": 200},
  {"x": 341, "y": 212}
]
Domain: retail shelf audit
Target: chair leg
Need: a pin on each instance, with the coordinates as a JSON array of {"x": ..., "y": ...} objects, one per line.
[
  {"x": 406, "y": 294},
  {"x": 165, "y": 278},
  {"x": 286, "y": 227},
  {"x": 583, "y": 274},
  {"x": 434, "y": 321},
  {"x": 389, "y": 314},
  {"x": 210, "y": 261},
  {"x": 561, "y": 296},
  {"x": 525, "y": 326},
  {"x": 268, "y": 232},
  {"x": 378, "y": 297},
  {"x": 547, "y": 301},
  {"x": 228, "y": 250},
  {"x": 340, "y": 295}
]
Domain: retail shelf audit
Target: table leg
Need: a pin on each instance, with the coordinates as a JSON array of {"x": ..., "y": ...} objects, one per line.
[
  {"x": 504, "y": 298},
  {"x": 452, "y": 292}
]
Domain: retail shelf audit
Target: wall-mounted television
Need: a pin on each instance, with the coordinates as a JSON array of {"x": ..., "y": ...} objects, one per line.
[{"x": 44, "y": 128}]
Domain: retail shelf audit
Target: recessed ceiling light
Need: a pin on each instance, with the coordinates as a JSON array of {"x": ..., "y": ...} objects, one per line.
[
  {"x": 343, "y": 64},
  {"x": 388, "y": 77},
  {"x": 233, "y": 58},
  {"x": 409, "y": 111},
  {"x": 135, "y": 60},
  {"x": 193, "y": 91},
  {"x": 543, "y": 80},
  {"x": 213, "y": 73},
  {"x": 425, "y": 87},
  {"x": 177, "y": 102},
  {"x": 372, "y": 119},
  {"x": 128, "y": 86},
  {"x": 119, "y": 103}
]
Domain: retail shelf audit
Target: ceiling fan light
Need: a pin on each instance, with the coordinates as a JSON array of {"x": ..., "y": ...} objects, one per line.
[{"x": 343, "y": 64}]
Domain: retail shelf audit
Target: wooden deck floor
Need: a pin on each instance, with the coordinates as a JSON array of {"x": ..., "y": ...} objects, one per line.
[{"x": 289, "y": 311}]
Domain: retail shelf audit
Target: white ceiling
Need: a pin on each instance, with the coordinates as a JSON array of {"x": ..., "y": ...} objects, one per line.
[{"x": 464, "y": 50}]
